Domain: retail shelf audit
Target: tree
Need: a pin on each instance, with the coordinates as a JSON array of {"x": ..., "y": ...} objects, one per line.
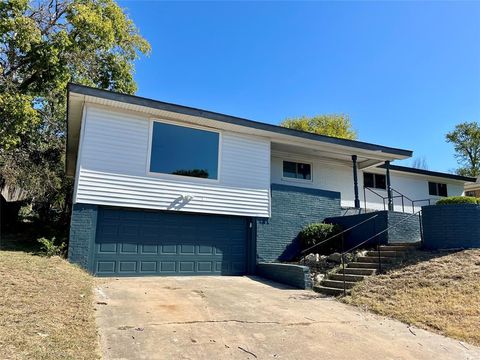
[
  {"x": 336, "y": 125},
  {"x": 420, "y": 163},
  {"x": 466, "y": 141},
  {"x": 43, "y": 46}
]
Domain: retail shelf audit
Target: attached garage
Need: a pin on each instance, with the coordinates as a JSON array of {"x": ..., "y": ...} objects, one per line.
[{"x": 131, "y": 243}]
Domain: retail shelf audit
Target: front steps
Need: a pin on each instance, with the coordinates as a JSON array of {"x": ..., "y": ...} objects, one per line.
[{"x": 364, "y": 266}]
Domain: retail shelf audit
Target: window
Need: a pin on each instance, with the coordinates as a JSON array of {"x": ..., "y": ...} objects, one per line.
[
  {"x": 185, "y": 151},
  {"x": 437, "y": 189},
  {"x": 295, "y": 170},
  {"x": 377, "y": 181}
]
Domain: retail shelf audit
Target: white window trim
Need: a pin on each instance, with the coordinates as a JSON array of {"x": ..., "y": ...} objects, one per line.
[
  {"x": 288, "y": 179},
  {"x": 183, "y": 177}
]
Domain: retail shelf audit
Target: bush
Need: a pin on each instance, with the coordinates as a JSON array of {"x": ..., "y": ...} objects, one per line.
[
  {"x": 49, "y": 248},
  {"x": 458, "y": 200},
  {"x": 315, "y": 233}
]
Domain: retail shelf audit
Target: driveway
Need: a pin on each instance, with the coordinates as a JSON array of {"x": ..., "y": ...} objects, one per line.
[{"x": 249, "y": 318}]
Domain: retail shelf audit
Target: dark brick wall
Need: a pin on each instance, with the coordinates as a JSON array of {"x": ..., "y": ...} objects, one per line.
[
  {"x": 294, "y": 275},
  {"x": 83, "y": 226},
  {"x": 407, "y": 231},
  {"x": 451, "y": 226},
  {"x": 292, "y": 208},
  {"x": 364, "y": 231}
]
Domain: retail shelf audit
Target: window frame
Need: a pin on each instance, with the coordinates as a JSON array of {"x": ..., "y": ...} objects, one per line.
[
  {"x": 297, "y": 161},
  {"x": 183, "y": 177},
  {"x": 437, "y": 188},
  {"x": 374, "y": 181}
]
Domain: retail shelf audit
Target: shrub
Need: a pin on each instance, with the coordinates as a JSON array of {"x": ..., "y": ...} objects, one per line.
[
  {"x": 49, "y": 248},
  {"x": 315, "y": 233},
  {"x": 458, "y": 200}
]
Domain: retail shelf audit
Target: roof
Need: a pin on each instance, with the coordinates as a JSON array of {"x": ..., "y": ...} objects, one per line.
[
  {"x": 72, "y": 141},
  {"x": 429, "y": 173}
]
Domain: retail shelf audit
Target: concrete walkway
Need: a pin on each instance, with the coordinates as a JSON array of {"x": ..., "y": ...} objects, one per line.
[{"x": 249, "y": 318}]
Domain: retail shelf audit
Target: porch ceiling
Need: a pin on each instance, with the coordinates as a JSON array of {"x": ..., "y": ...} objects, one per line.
[{"x": 337, "y": 157}]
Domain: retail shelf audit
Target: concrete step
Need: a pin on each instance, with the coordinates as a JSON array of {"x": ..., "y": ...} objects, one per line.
[
  {"x": 358, "y": 271},
  {"x": 374, "y": 259},
  {"x": 386, "y": 253},
  {"x": 362, "y": 265},
  {"x": 329, "y": 291},
  {"x": 409, "y": 246},
  {"x": 337, "y": 284},
  {"x": 348, "y": 277}
]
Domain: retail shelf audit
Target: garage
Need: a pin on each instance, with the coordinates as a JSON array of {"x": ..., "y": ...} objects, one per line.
[{"x": 139, "y": 242}]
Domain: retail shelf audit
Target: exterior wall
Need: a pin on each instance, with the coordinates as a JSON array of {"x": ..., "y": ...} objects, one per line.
[
  {"x": 294, "y": 275},
  {"x": 292, "y": 208},
  {"x": 339, "y": 178},
  {"x": 407, "y": 229},
  {"x": 112, "y": 170},
  {"x": 451, "y": 226},
  {"x": 83, "y": 227}
]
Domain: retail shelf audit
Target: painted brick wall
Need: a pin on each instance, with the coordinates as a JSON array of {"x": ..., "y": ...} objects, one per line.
[
  {"x": 292, "y": 208},
  {"x": 83, "y": 226},
  {"x": 294, "y": 275},
  {"x": 407, "y": 230},
  {"x": 364, "y": 231},
  {"x": 451, "y": 226}
]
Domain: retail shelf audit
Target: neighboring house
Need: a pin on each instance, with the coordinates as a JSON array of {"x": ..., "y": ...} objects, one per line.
[
  {"x": 167, "y": 189},
  {"x": 473, "y": 188}
]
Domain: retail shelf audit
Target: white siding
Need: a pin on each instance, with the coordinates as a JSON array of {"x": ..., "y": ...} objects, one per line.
[
  {"x": 113, "y": 171},
  {"x": 339, "y": 178}
]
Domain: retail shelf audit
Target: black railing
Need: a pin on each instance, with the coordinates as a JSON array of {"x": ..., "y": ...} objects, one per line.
[
  {"x": 398, "y": 195},
  {"x": 377, "y": 236},
  {"x": 335, "y": 236}
]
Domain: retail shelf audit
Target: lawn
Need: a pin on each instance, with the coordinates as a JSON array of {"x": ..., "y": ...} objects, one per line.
[
  {"x": 46, "y": 309},
  {"x": 436, "y": 291}
]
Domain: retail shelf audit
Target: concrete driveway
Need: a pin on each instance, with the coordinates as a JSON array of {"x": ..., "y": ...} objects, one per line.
[{"x": 249, "y": 318}]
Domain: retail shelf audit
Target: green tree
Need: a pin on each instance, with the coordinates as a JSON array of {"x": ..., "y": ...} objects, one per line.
[
  {"x": 43, "y": 46},
  {"x": 336, "y": 125},
  {"x": 466, "y": 141}
]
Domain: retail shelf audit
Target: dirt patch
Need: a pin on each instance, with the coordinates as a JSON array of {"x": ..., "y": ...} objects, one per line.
[
  {"x": 436, "y": 291},
  {"x": 46, "y": 309}
]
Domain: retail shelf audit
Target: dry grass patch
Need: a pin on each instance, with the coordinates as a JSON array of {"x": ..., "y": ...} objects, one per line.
[
  {"x": 439, "y": 292},
  {"x": 46, "y": 309}
]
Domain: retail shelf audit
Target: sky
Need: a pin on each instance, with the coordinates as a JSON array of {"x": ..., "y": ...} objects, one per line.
[{"x": 405, "y": 72}]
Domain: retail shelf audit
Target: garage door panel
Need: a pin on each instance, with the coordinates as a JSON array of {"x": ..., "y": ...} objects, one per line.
[{"x": 133, "y": 242}]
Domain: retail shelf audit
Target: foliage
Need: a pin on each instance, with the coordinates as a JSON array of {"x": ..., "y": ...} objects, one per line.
[
  {"x": 466, "y": 141},
  {"x": 43, "y": 46},
  {"x": 335, "y": 125},
  {"x": 315, "y": 233},
  {"x": 458, "y": 200},
  {"x": 50, "y": 248}
]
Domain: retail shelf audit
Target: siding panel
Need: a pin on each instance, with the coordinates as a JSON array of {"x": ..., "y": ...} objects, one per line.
[{"x": 113, "y": 171}]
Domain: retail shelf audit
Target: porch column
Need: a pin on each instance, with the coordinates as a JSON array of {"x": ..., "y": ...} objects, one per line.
[
  {"x": 355, "y": 181},
  {"x": 389, "y": 186}
]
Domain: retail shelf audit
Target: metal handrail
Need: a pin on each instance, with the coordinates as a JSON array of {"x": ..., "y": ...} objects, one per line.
[
  {"x": 378, "y": 244},
  {"x": 400, "y": 195},
  {"x": 336, "y": 235}
]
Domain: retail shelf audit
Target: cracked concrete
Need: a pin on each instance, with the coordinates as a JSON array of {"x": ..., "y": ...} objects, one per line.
[{"x": 248, "y": 318}]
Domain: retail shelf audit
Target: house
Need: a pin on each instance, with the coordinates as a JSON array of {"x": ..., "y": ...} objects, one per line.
[
  {"x": 168, "y": 189},
  {"x": 473, "y": 188}
]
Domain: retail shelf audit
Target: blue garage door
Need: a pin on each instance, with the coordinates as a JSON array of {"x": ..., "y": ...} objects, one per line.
[{"x": 130, "y": 242}]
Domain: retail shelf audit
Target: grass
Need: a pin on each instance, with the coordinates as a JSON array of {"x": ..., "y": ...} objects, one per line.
[
  {"x": 46, "y": 308},
  {"x": 434, "y": 291}
]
